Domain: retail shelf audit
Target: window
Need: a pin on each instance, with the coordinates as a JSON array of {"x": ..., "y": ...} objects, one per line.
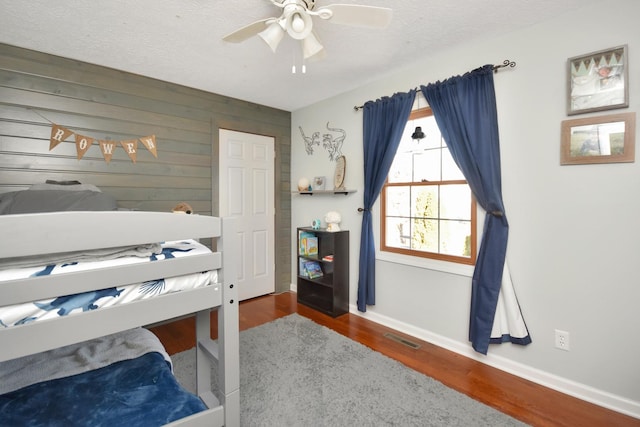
[{"x": 427, "y": 209}]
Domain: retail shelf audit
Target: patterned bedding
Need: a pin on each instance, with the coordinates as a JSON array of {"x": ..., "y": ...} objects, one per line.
[
  {"x": 120, "y": 379},
  {"x": 71, "y": 304}
]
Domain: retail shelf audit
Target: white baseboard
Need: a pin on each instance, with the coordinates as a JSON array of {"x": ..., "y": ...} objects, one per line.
[{"x": 563, "y": 385}]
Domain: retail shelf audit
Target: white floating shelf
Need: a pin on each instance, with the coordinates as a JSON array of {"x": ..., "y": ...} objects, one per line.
[{"x": 312, "y": 192}]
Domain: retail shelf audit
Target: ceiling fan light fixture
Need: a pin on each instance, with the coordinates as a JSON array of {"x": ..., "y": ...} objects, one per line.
[
  {"x": 298, "y": 25},
  {"x": 296, "y": 20},
  {"x": 311, "y": 46},
  {"x": 273, "y": 35}
]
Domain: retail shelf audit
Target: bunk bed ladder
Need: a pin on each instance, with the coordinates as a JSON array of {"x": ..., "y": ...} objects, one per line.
[{"x": 226, "y": 349}]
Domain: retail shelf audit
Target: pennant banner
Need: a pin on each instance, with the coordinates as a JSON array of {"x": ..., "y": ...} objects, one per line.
[
  {"x": 150, "y": 143},
  {"x": 82, "y": 144},
  {"x": 107, "y": 147},
  {"x": 58, "y": 134},
  {"x": 131, "y": 147}
]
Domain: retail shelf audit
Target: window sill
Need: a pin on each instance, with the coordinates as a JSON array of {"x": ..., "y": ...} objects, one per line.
[{"x": 429, "y": 264}]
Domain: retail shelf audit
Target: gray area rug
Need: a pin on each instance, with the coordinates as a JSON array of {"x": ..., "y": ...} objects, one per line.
[{"x": 294, "y": 372}]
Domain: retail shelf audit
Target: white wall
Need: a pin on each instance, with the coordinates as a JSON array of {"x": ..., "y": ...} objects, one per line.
[{"x": 573, "y": 251}]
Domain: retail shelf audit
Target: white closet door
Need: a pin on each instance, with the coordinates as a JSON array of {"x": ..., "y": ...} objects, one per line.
[{"x": 247, "y": 194}]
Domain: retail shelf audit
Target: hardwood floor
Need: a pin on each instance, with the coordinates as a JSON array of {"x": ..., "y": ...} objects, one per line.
[{"x": 522, "y": 399}]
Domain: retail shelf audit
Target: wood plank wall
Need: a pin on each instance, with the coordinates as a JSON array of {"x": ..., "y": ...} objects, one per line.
[{"x": 38, "y": 89}]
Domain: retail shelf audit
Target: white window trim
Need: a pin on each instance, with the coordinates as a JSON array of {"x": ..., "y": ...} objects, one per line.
[{"x": 426, "y": 263}]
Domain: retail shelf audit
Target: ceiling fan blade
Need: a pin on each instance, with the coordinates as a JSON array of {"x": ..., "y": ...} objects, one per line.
[
  {"x": 358, "y": 15},
  {"x": 247, "y": 31}
]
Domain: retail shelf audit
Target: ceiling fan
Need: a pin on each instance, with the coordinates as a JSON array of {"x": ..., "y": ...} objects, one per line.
[{"x": 296, "y": 21}]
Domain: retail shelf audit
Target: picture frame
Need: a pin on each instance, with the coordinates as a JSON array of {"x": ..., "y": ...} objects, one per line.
[
  {"x": 599, "y": 139},
  {"x": 598, "y": 81},
  {"x": 318, "y": 183}
]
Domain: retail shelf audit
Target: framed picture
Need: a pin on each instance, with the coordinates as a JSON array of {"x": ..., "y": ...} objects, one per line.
[
  {"x": 598, "y": 81},
  {"x": 603, "y": 139},
  {"x": 318, "y": 183}
]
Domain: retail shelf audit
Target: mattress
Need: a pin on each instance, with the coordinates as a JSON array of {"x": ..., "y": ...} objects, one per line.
[{"x": 67, "y": 305}]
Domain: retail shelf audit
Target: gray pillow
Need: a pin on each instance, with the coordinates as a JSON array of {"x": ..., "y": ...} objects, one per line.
[
  {"x": 36, "y": 201},
  {"x": 64, "y": 185}
]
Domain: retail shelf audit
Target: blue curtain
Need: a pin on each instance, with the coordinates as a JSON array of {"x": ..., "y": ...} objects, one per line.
[
  {"x": 465, "y": 109},
  {"x": 383, "y": 123}
]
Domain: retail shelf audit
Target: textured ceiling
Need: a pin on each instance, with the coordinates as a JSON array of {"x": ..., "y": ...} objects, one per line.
[{"x": 180, "y": 41}]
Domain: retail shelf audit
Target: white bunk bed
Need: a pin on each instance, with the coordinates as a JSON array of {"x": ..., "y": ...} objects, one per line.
[{"x": 57, "y": 232}]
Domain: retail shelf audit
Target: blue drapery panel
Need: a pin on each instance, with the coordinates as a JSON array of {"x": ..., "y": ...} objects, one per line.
[
  {"x": 383, "y": 123},
  {"x": 465, "y": 109}
]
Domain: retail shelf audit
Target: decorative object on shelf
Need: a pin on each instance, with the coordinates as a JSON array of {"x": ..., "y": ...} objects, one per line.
[
  {"x": 330, "y": 143},
  {"x": 418, "y": 134},
  {"x": 303, "y": 184},
  {"x": 341, "y": 169},
  {"x": 600, "y": 139},
  {"x": 318, "y": 183},
  {"x": 332, "y": 219},
  {"x": 312, "y": 269},
  {"x": 598, "y": 81},
  {"x": 315, "y": 224},
  {"x": 308, "y": 244}
]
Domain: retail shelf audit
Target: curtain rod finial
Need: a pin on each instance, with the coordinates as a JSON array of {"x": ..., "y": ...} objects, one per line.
[{"x": 505, "y": 63}]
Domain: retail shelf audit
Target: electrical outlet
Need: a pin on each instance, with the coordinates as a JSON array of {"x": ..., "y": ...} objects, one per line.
[{"x": 562, "y": 340}]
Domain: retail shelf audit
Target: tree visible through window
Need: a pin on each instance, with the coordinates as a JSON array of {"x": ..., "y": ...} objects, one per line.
[{"x": 427, "y": 208}]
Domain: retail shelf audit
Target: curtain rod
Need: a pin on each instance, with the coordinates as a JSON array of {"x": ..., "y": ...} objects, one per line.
[{"x": 505, "y": 63}]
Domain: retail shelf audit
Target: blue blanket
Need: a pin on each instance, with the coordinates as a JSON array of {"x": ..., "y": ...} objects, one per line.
[{"x": 136, "y": 392}]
